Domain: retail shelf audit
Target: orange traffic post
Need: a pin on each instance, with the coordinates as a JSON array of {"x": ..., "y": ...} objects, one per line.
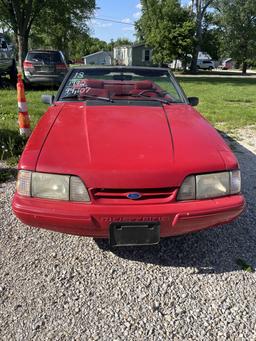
[{"x": 23, "y": 119}]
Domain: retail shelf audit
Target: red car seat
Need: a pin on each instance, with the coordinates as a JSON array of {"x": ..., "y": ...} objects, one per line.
[
  {"x": 93, "y": 87},
  {"x": 141, "y": 86}
]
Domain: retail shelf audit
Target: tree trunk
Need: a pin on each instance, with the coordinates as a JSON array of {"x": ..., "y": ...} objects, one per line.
[
  {"x": 244, "y": 69},
  {"x": 22, "y": 40},
  {"x": 175, "y": 64},
  {"x": 199, "y": 18},
  {"x": 195, "y": 57},
  {"x": 185, "y": 63}
]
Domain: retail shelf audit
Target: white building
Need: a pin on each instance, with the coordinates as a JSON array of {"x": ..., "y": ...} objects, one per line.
[
  {"x": 123, "y": 55},
  {"x": 98, "y": 58}
]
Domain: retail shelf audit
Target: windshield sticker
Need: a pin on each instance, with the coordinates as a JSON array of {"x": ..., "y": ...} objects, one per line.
[
  {"x": 77, "y": 87},
  {"x": 79, "y": 75},
  {"x": 70, "y": 91}
]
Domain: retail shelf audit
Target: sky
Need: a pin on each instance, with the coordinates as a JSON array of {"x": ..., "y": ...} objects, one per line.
[{"x": 126, "y": 11}]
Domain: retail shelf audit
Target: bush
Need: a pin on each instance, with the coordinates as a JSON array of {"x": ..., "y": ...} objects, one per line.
[{"x": 11, "y": 145}]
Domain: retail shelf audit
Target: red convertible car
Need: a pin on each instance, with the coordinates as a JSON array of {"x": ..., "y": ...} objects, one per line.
[{"x": 122, "y": 154}]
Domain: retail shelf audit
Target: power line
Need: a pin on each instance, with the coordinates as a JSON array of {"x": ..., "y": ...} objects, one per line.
[{"x": 114, "y": 21}]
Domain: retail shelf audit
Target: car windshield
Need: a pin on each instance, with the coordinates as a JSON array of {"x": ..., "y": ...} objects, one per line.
[{"x": 115, "y": 84}]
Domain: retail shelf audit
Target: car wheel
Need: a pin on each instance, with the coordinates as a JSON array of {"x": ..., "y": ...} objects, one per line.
[
  {"x": 210, "y": 68},
  {"x": 13, "y": 73}
]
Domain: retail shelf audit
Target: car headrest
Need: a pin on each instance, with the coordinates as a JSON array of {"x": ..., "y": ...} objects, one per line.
[
  {"x": 94, "y": 83},
  {"x": 144, "y": 85}
]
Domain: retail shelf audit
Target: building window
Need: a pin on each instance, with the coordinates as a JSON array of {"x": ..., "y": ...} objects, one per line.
[{"x": 147, "y": 55}]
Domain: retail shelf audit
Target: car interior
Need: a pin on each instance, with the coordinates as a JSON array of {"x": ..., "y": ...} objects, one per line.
[{"x": 117, "y": 88}]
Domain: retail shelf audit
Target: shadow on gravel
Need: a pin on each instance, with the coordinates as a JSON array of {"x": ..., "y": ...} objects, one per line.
[
  {"x": 217, "y": 250},
  {"x": 7, "y": 174}
]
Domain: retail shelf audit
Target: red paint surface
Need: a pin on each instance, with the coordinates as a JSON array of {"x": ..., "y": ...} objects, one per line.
[
  {"x": 118, "y": 147},
  {"x": 93, "y": 220}
]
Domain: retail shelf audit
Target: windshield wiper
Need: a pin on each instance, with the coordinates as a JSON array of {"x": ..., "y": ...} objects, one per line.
[
  {"x": 158, "y": 99},
  {"x": 106, "y": 99}
]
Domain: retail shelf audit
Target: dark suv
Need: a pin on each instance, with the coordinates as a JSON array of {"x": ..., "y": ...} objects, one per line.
[
  {"x": 7, "y": 61},
  {"x": 45, "y": 67}
]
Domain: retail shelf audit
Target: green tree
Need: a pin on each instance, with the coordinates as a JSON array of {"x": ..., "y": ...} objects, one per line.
[
  {"x": 93, "y": 45},
  {"x": 23, "y": 15},
  {"x": 211, "y": 36},
  {"x": 122, "y": 42},
  {"x": 20, "y": 16},
  {"x": 199, "y": 8},
  {"x": 64, "y": 29},
  {"x": 166, "y": 27},
  {"x": 238, "y": 21}
]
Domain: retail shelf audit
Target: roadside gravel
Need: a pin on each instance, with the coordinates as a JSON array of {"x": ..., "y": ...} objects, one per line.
[{"x": 60, "y": 287}]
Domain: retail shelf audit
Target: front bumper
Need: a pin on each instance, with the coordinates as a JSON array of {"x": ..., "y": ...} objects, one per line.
[{"x": 94, "y": 220}]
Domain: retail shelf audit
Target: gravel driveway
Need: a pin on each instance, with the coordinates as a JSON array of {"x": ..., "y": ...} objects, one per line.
[{"x": 60, "y": 287}]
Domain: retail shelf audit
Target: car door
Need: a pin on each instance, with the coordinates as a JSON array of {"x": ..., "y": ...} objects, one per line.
[
  {"x": 4, "y": 61},
  {"x": 5, "y": 56}
]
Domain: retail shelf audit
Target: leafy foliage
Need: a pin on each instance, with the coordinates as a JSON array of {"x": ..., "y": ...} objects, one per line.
[
  {"x": 168, "y": 28},
  {"x": 199, "y": 9},
  {"x": 122, "y": 42},
  {"x": 244, "y": 265},
  {"x": 58, "y": 20},
  {"x": 238, "y": 21},
  {"x": 63, "y": 26},
  {"x": 211, "y": 36},
  {"x": 11, "y": 144}
]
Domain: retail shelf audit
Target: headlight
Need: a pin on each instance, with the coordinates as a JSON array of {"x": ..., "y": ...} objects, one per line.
[
  {"x": 208, "y": 186},
  {"x": 52, "y": 186},
  {"x": 212, "y": 185}
]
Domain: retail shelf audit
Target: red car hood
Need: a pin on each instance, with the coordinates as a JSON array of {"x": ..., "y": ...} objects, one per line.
[{"x": 132, "y": 147}]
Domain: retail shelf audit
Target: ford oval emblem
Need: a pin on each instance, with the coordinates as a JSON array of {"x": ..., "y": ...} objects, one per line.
[{"x": 134, "y": 196}]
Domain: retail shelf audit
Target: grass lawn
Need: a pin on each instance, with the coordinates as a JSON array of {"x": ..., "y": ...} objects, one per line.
[
  {"x": 9, "y": 111},
  {"x": 226, "y": 103},
  {"x": 11, "y": 143}
]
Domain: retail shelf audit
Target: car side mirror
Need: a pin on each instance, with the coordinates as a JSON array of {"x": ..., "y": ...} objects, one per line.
[
  {"x": 47, "y": 99},
  {"x": 194, "y": 101}
]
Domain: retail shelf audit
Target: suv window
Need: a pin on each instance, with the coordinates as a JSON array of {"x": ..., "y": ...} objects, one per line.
[{"x": 45, "y": 57}]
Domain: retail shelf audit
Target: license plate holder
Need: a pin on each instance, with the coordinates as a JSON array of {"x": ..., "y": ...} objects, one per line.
[
  {"x": 134, "y": 233},
  {"x": 45, "y": 69}
]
